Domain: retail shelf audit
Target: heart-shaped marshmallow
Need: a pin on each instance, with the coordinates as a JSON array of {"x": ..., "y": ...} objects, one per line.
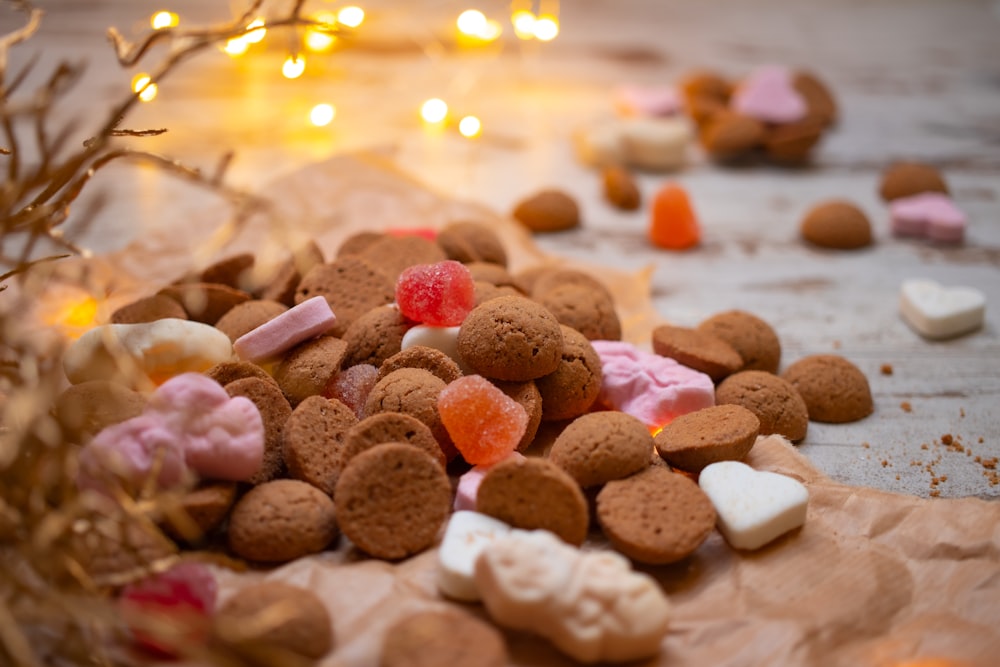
[
  {"x": 932, "y": 215},
  {"x": 753, "y": 507},
  {"x": 935, "y": 311},
  {"x": 769, "y": 95},
  {"x": 467, "y": 534}
]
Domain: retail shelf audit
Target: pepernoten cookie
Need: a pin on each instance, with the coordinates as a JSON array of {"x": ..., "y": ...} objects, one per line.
[
  {"x": 205, "y": 302},
  {"x": 571, "y": 389},
  {"x": 752, "y": 338},
  {"x": 202, "y": 510},
  {"x": 471, "y": 242},
  {"x": 588, "y": 311},
  {"x": 375, "y": 336},
  {"x": 421, "y": 356},
  {"x": 149, "y": 309},
  {"x": 391, "y": 254},
  {"x": 247, "y": 316},
  {"x": 438, "y": 637},
  {"x": 231, "y": 371},
  {"x": 308, "y": 368},
  {"x": 392, "y": 499},
  {"x": 535, "y": 493},
  {"x": 527, "y": 394},
  {"x": 274, "y": 411},
  {"x": 834, "y": 389},
  {"x": 601, "y": 446},
  {"x": 905, "y": 179},
  {"x": 351, "y": 285},
  {"x": 412, "y": 391},
  {"x": 284, "y": 280},
  {"x": 87, "y": 408},
  {"x": 777, "y": 404},
  {"x": 314, "y": 441},
  {"x": 391, "y": 427},
  {"x": 655, "y": 516},
  {"x": 282, "y": 520},
  {"x": 696, "y": 349},
  {"x": 836, "y": 224},
  {"x": 720, "y": 433}
]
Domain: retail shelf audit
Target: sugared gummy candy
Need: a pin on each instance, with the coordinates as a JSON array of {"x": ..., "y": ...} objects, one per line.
[
  {"x": 484, "y": 423},
  {"x": 439, "y": 294}
]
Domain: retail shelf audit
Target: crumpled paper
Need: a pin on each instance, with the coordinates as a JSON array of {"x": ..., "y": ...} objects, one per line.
[{"x": 872, "y": 579}]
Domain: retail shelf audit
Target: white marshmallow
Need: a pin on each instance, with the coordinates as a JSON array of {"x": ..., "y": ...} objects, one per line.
[
  {"x": 753, "y": 507},
  {"x": 656, "y": 143},
  {"x": 467, "y": 534},
  {"x": 935, "y": 311},
  {"x": 444, "y": 339},
  {"x": 599, "y": 145}
]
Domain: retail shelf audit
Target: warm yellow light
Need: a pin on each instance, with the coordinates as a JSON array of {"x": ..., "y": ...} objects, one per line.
[
  {"x": 434, "y": 110},
  {"x": 491, "y": 30},
  {"x": 72, "y": 313},
  {"x": 322, "y": 115},
  {"x": 255, "y": 31},
  {"x": 161, "y": 20},
  {"x": 524, "y": 24},
  {"x": 471, "y": 22},
  {"x": 470, "y": 127},
  {"x": 546, "y": 28},
  {"x": 141, "y": 84},
  {"x": 294, "y": 67},
  {"x": 351, "y": 16},
  {"x": 236, "y": 46},
  {"x": 317, "y": 39}
]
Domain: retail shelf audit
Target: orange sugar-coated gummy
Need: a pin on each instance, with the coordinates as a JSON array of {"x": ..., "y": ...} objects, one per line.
[
  {"x": 484, "y": 423},
  {"x": 674, "y": 225}
]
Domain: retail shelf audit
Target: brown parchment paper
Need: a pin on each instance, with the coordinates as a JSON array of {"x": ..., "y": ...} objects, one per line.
[{"x": 873, "y": 578}]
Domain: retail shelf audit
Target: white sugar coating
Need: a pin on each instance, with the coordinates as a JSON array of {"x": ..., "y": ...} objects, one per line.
[
  {"x": 467, "y": 534},
  {"x": 935, "y": 311}
]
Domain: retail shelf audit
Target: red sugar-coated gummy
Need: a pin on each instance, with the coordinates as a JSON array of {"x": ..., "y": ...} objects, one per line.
[
  {"x": 674, "y": 225},
  {"x": 352, "y": 385},
  {"x": 439, "y": 294},
  {"x": 484, "y": 423},
  {"x": 177, "y": 602},
  {"x": 428, "y": 233}
]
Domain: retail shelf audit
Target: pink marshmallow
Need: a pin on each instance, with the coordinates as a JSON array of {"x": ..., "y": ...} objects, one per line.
[
  {"x": 647, "y": 101},
  {"x": 769, "y": 95},
  {"x": 931, "y": 215},
  {"x": 307, "y": 320},
  {"x": 468, "y": 484},
  {"x": 130, "y": 451},
  {"x": 651, "y": 388}
]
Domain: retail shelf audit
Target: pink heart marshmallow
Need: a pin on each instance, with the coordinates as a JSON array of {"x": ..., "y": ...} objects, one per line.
[
  {"x": 931, "y": 215},
  {"x": 130, "y": 451},
  {"x": 307, "y": 320},
  {"x": 769, "y": 95}
]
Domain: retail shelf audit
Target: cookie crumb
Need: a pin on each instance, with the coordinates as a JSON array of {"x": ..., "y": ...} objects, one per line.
[
  {"x": 946, "y": 439},
  {"x": 961, "y": 412},
  {"x": 865, "y": 445},
  {"x": 885, "y": 463},
  {"x": 935, "y": 494},
  {"x": 886, "y": 369},
  {"x": 923, "y": 446},
  {"x": 906, "y": 407}
]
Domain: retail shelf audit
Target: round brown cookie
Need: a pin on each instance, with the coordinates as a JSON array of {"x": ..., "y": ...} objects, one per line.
[
  {"x": 491, "y": 273},
  {"x": 620, "y": 188},
  {"x": 792, "y": 143},
  {"x": 247, "y": 316},
  {"x": 535, "y": 493},
  {"x": 274, "y": 411},
  {"x": 235, "y": 271},
  {"x": 421, "y": 356},
  {"x": 314, "y": 441},
  {"x": 437, "y": 637},
  {"x": 392, "y": 499},
  {"x": 752, "y": 338},
  {"x": 149, "y": 309},
  {"x": 471, "y": 242},
  {"x": 486, "y": 291},
  {"x": 588, "y": 311},
  {"x": 655, "y": 516},
  {"x": 905, "y": 179},
  {"x": 392, "y": 254},
  {"x": 201, "y": 511},
  {"x": 777, "y": 404},
  {"x": 116, "y": 546},
  {"x": 819, "y": 100},
  {"x": 601, "y": 446},
  {"x": 837, "y": 224},
  {"x": 834, "y": 389},
  {"x": 729, "y": 135},
  {"x": 391, "y": 427},
  {"x": 553, "y": 277},
  {"x": 412, "y": 391},
  {"x": 571, "y": 389},
  {"x": 351, "y": 285},
  {"x": 703, "y": 108},
  {"x": 510, "y": 338},
  {"x": 205, "y": 302},
  {"x": 84, "y": 410},
  {"x": 719, "y": 433},
  {"x": 297, "y": 621},
  {"x": 231, "y": 371},
  {"x": 526, "y": 278},
  {"x": 705, "y": 83},
  {"x": 356, "y": 243},
  {"x": 548, "y": 211},
  {"x": 375, "y": 336},
  {"x": 308, "y": 368},
  {"x": 282, "y": 520},
  {"x": 696, "y": 349},
  {"x": 281, "y": 285},
  {"x": 527, "y": 395}
]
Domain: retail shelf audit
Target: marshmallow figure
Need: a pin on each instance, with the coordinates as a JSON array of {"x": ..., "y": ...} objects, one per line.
[
  {"x": 937, "y": 312},
  {"x": 467, "y": 534},
  {"x": 932, "y": 215}
]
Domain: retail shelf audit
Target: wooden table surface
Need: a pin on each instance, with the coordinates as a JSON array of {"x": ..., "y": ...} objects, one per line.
[{"x": 916, "y": 79}]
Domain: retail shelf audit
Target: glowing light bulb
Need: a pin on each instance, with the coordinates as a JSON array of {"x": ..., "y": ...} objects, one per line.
[
  {"x": 351, "y": 16},
  {"x": 322, "y": 115},
  {"x": 471, "y": 22},
  {"x": 546, "y": 28},
  {"x": 434, "y": 110},
  {"x": 237, "y": 46},
  {"x": 161, "y": 20},
  {"x": 141, "y": 84},
  {"x": 317, "y": 39},
  {"x": 524, "y": 24},
  {"x": 294, "y": 67},
  {"x": 255, "y": 31},
  {"x": 470, "y": 127}
]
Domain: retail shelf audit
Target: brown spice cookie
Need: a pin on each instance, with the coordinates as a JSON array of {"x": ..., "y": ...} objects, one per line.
[
  {"x": 356, "y": 243},
  {"x": 205, "y": 302},
  {"x": 526, "y": 278},
  {"x": 705, "y": 83},
  {"x": 527, "y": 395},
  {"x": 491, "y": 273},
  {"x": 282, "y": 520},
  {"x": 837, "y": 224},
  {"x": 117, "y": 548},
  {"x": 392, "y": 500},
  {"x": 231, "y": 371},
  {"x": 792, "y": 143},
  {"x": 149, "y": 309},
  {"x": 696, "y": 349},
  {"x": 551, "y": 278},
  {"x": 281, "y": 617},
  {"x": 375, "y": 336},
  {"x": 510, "y": 338},
  {"x": 235, "y": 271},
  {"x": 571, "y": 389},
  {"x": 601, "y": 446},
  {"x": 548, "y": 211},
  {"x": 412, "y": 391},
  {"x": 729, "y": 135},
  {"x": 247, "y": 316},
  {"x": 421, "y": 356},
  {"x": 535, "y": 493},
  {"x": 486, "y": 291},
  {"x": 471, "y": 242},
  {"x": 620, "y": 189},
  {"x": 834, "y": 389},
  {"x": 351, "y": 285},
  {"x": 308, "y": 368},
  {"x": 274, "y": 411},
  {"x": 719, "y": 433},
  {"x": 655, "y": 516},
  {"x": 905, "y": 179},
  {"x": 282, "y": 284},
  {"x": 588, "y": 311},
  {"x": 85, "y": 409},
  {"x": 314, "y": 441},
  {"x": 392, "y": 254},
  {"x": 201, "y": 510},
  {"x": 752, "y": 338},
  {"x": 391, "y": 427},
  {"x": 437, "y": 637},
  {"x": 819, "y": 100},
  {"x": 777, "y": 404}
]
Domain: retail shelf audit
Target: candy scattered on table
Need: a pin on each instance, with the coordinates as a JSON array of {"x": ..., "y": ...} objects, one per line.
[
  {"x": 467, "y": 534},
  {"x": 937, "y": 312},
  {"x": 673, "y": 223},
  {"x": 930, "y": 215},
  {"x": 306, "y": 320}
]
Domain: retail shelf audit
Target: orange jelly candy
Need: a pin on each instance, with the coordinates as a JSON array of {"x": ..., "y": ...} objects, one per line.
[
  {"x": 484, "y": 423},
  {"x": 674, "y": 225}
]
